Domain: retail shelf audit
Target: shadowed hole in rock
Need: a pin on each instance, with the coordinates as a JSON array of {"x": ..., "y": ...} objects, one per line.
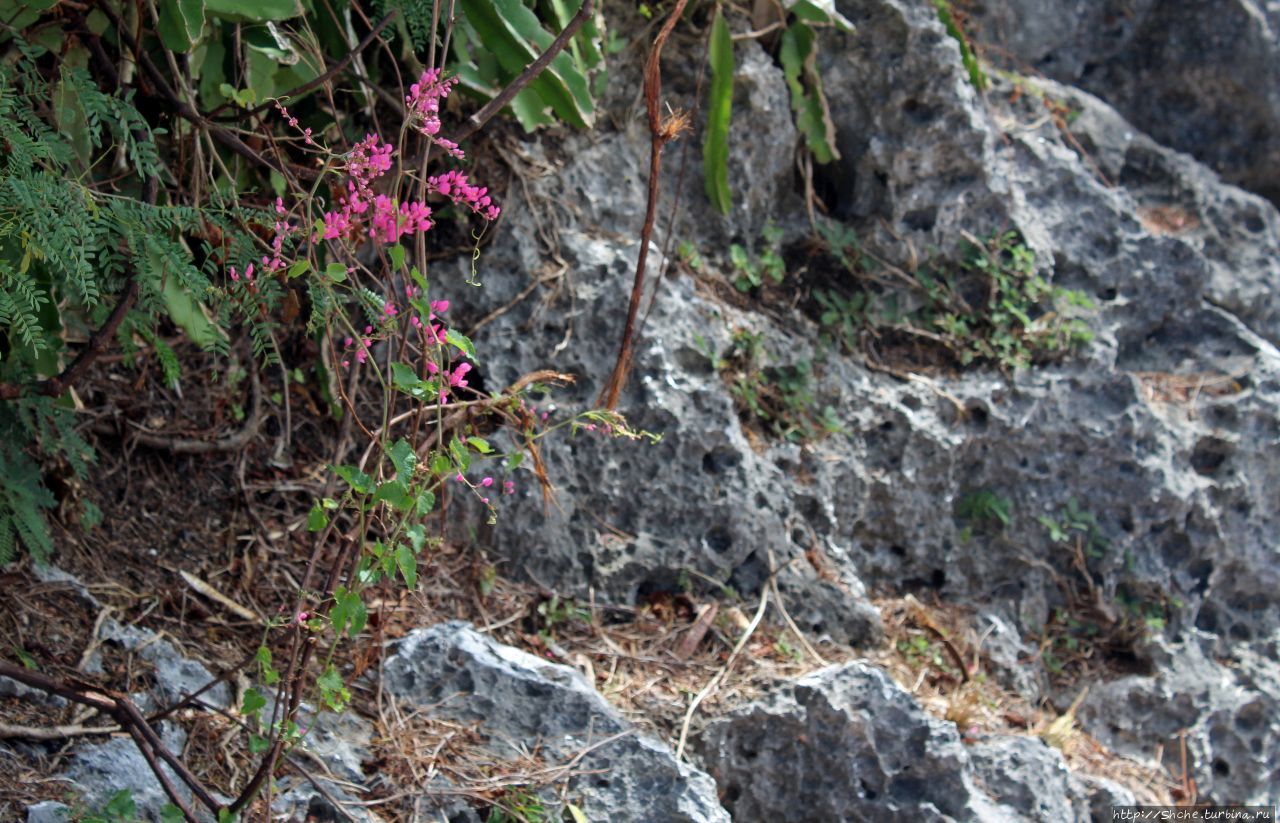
[
  {"x": 718, "y": 540},
  {"x": 1209, "y": 455},
  {"x": 720, "y": 460},
  {"x": 921, "y": 219}
]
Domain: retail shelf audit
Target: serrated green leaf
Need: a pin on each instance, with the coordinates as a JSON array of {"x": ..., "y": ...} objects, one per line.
[
  {"x": 348, "y": 613},
  {"x": 356, "y": 479},
  {"x": 180, "y": 23},
  {"x": 408, "y": 565},
  {"x": 426, "y": 502},
  {"x": 404, "y": 458},
  {"x": 462, "y": 342},
  {"x": 460, "y": 457},
  {"x": 394, "y": 492},
  {"x": 252, "y": 701},
  {"x": 715, "y": 146}
]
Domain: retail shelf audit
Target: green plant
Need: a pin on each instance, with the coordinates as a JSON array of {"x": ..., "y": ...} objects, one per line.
[
  {"x": 749, "y": 273},
  {"x": 79, "y": 256},
  {"x": 557, "y": 612},
  {"x": 1074, "y": 525},
  {"x": 797, "y": 52},
  {"x": 1019, "y": 319},
  {"x": 842, "y": 318},
  {"x": 947, "y": 16},
  {"x": 985, "y": 509},
  {"x": 991, "y": 307}
]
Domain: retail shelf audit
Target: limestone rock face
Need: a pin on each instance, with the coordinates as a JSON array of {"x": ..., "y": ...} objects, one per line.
[
  {"x": 847, "y": 743},
  {"x": 1163, "y": 430},
  {"x": 517, "y": 698},
  {"x": 1201, "y": 76}
]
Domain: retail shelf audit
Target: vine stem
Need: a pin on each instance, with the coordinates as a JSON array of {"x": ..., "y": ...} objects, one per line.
[{"x": 660, "y": 131}]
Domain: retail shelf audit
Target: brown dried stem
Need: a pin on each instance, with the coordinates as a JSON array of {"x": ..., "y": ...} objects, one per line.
[{"x": 660, "y": 132}]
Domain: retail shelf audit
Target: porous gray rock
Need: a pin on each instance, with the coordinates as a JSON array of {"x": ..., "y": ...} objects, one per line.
[
  {"x": 1228, "y": 714},
  {"x": 98, "y": 771},
  {"x": 48, "y": 811},
  {"x": 523, "y": 703},
  {"x": 847, "y": 743},
  {"x": 1163, "y": 429},
  {"x": 176, "y": 676},
  {"x": 1201, "y": 76}
]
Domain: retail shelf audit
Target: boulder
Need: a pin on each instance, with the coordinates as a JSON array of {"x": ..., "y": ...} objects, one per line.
[
  {"x": 523, "y": 703},
  {"x": 848, "y": 743}
]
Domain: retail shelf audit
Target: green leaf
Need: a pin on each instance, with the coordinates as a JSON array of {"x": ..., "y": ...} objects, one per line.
[
  {"x": 577, "y": 814},
  {"x": 121, "y": 806},
  {"x": 257, "y": 745},
  {"x": 480, "y": 444},
  {"x": 408, "y": 565},
  {"x": 404, "y": 458},
  {"x": 356, "y": 479},
  {"x": 715, "y": 146},
  {"x": 396, "y": 253},
  {"x": 417, "y": 533},
  {"x": 512, "y": 33},
  {"x": 460, "y": 457},
  {"x": 180, "y": 23},
  {"x": 394, "y": 492},
  {"x": 461, "y": 341},
  {"x": 813, "y": 117},
  {"x": 348, "y": 612},
  {"x": 252, "y": 702},
  {"x": 336, "y": 272},
  {"x": 253, "y": 11},
  {"x": 317, "y": 518},
  {"x": 171, "y": 814},
  {"x": 403, "y": 377},
  {"x": 426, "y": 502},
  {"x": 298, "y": 269},
  {"x": 190, "y": 315}
]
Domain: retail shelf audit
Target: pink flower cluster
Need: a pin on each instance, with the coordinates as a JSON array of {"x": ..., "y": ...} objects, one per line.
[
  {"x": 508, "y": 486},
  {"x": 275, "y": 261},
  {"x": 293, "y": 123},
  {"x": 369, "y": 160},
  {"x": 424, "y": 105},
  {"x": 454, "y": 185}
]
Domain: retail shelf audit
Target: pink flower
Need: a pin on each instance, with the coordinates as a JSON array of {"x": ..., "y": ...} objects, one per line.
[
  {"x": 509, "y": 487},
  {"x": 455, "y": 185},
  {"x": 424, "y": 101},
  {"x": 336, "y": 224},
  {"x": 458, "y": 378},
  {"x": 486, "y": 482},
  {"x": 301, "y": 617}
]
